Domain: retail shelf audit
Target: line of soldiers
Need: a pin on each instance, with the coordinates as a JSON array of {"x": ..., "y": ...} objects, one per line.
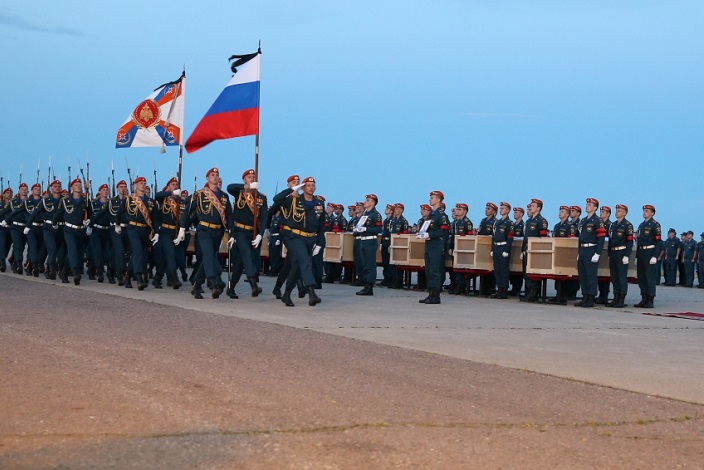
[{"x": 133, "y": 234}]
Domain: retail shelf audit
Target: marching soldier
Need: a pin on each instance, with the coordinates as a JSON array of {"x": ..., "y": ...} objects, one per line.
[
  {"x": 605, "y": 214},
  {"x": 366, "y": 230},
  {"x": 536, "y": 226},
  {"x": 33, "y": 231},
  {"x": 53, "y": 238},
  {"x": 275, "y": 242},
  {"x": 250, "y": 213},
  {"x": 517, "y": 279},
  {"x": 435, "y": 235},
  {"x": 17, "y": 220},
  {"x": 100, "y": 230},
  {"x": 169, "y": 207},
  {"x": 293, "y": 181},
  {"x": 141, "y": 216},
  {"x": 562, "y": 229},
  {"x": 5, "y": 237},
  {"x": 303, "y": 235},
  {"x": 73, "y": 213},
  {"x": 212, "y": 210},
  {"x": 118, "y": 238},
  {"x": 649, "y": 246},
  {"x": 620, "y": 248},
  {"x": 502, "y": 239}
]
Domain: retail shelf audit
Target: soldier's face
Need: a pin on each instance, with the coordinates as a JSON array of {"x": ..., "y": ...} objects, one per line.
[
  {"x": 36, "y": 191},
  {"x": 504, "y": 211},
  {"x": 141, "y": 186},
  {"x": 647, "y": 213},
  {"x": 103, "y": 192},
  {"x": 55, "y": 188},
  {"x": 173, "y": 186},
  {"x": 564, "y": 213},
  {"x": 620, "y": 213},
  {"x": 328, "y": 210},
  {"x": 435, "y": 200},
  {"x": 605, "y": 214},
  {"x": 76, "y": 187},
  {"x": 249, "y": 178},
  {"x": 574, "y": 214},
  {"x": 309, "y": 188},
  {"x": 591, "y": 207},
  {"x": 294, "y": 182},
  {"x": 489, "y": 211},
  {"x": 398, "y": 211},
  {"x": 122, "y": 189},
  {"x": 213, "y": 178}
]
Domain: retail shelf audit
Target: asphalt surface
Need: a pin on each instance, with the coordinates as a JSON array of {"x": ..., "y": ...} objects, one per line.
[{"x": 98, "y": 376}]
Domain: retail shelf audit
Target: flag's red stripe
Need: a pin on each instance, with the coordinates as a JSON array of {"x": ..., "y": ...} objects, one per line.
[{"x": 223, "y": 126}]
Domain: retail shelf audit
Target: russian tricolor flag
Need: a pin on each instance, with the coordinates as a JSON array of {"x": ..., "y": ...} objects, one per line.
[{"x": 235, "y": 112}]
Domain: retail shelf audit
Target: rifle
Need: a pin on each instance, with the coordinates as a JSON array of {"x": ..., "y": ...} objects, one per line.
[
  {"x": 129, "y": 175},
  {"x": 83, "y": 175},
  {"x": 112, "y": 170},
  {"x": 2, "y": 185},
  {"x": 156, "y": 186},
  {"x": 69, "y": 177},
  {"x": 90, "y": 183},
  {"x": 38, "y": 165},
  {"x": 20, "y": 175},
  {"x": 48, "y": 175}
]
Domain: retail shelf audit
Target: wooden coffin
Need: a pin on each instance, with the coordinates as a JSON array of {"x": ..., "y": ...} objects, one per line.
[
  {"x": 473, "y": 252},
  {"x": 556, "y": 256},
  {"x": 338, "y": 247},
  {"x": 407, "y": 250},
  {"x": 515, "y": 264}
]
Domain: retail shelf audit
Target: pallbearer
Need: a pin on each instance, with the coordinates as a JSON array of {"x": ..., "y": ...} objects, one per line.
[
  {"x": 517, "y": 279},
  {"x": 591, "y": 242},
  {"x": 620, "y": 248},
  {"x": 435, "y": 233},
  {"x": 536, "y": 226},
  {"x": 365, "y": 231},
  {"x": 649, "y": 246},
  {"x": 502, "y": 240}
]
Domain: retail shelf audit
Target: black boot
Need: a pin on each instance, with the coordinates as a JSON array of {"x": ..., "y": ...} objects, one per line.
[
  {"x": 215, "y": 287},
  {"x": 618, "y": 301},
  {"x": 588, "y": 301},
  {"x": 531, "y": 295},
  {"x": 184, "y": 275},
  {"x": 77, "y": 279},
  {"x": 91, "y": 273},
  {"x": 52, "y": 272},
  {"x": 156, "y": 281},
  {"x": 18, "y": 270},
  {"x": 142, "y": 281},
  {"x": 111, "y": 276},
  {"x": 101, "y": 276},
  {"x": 35, "y": 269},
  {"x": 286, "y": 298},
  {"x": 197, "y": 292},
  {"x": 28, "y": 271},
  {"x": 63, "y": 275},
  {"x": 256, "y": 290},
  {"x": 175, "y": 283},
  {"x": 301, "y": 289},
  {"x": 641, "y": 303},
  {"x": 3, "y": 266},
  {"x": 128, "y": 280},
  {"x": 649, "y": 301},
  {"x": 425, "y": 300},
  {"x": 277, "y": 291},
  {"x": 434, "y": 297},
  {"x": 368, "y": 289},
  {"x": 312, "y": 297}
]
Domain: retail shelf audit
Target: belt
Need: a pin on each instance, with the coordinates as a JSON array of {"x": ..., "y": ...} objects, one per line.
[
  {"x": 47, "y": 222},
  {"x": 168, "y": 227},
  {"x": 387, "y": 238},
  {"x": 77, "y": 227},
  {"x": 587, "y": 245},
  {"x": 37, "y": 224},
  {"x": 300, "y": 232},
  {"x": 137, "y": 224},
  {"x": 617, "y": 248},
  {"x": 646, "y": 247},
  {"x": 500, "y": 243},
  {"x": 209, "y": 225},
  {"x": 370, "y": 237},
  {"x": 21, "y": 224},
  {"x": 101, "y": 227},
  {"x": 274, "y": 234},
  {"x": 112, "y": 224},
  {"x": 243, "y": 226}
]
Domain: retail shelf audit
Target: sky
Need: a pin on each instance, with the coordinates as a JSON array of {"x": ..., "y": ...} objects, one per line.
[{"x": 493, "y": 100}]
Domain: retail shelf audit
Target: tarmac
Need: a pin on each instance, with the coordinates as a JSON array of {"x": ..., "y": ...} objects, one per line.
[{"x": 620, "y": 348}]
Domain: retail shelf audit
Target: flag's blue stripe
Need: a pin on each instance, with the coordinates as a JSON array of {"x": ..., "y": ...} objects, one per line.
[
  {"x": 127, "y": 139},
  {"x": 236, "y": 98}
]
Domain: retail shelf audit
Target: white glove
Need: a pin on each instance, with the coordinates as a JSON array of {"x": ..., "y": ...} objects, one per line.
[
  {"x": 361, "y": 229},
  {"x": 449, "y": 252},
  {"x": 181, "y": 236},
  {"x": 55, "y": 226},
  {"x": 653, "y": 260},
  {"x": 89, "y": 230},
  {"x": 86, "y": 222},
  {"x": 254, "y": 185},
  {"x": 278, "y": 242},
  {"x": 635, "y": 261},
  {"x": 155, "y": 239},
  {"x": 595, "y": 258},
  {"x": 426, "y": 235},
  {"x": 624, "y": 260},
  {"x": 521, "y": 255},
  {"x": 176, "y": 192},
  {"x": 26, "y": 230},
  {"x": 230, "y": 243},
  {"x": 118, "y": 229},
  {"x": 298, "y": 186},
  {"x": 267, "y": 233},
  {"x": 3, "y": 224},
  {"x": 491, "y": 253},
  {"x": 316, "y": 250},
  {"x": 257, "y": 240},
  {"x": 504, "y": 254}
]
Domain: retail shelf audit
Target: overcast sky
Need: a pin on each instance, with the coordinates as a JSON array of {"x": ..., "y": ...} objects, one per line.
[{"x": 485, "y": 100}]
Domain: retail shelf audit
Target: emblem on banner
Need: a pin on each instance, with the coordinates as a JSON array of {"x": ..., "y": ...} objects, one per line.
[{"x": 146, "y": 115}]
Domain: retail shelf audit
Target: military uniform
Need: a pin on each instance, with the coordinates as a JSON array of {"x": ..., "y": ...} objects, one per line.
[
  {"x": 169, "y": 207},
  {"x": 35, "y": 235},
  {"x": 275, "y": 227},
  {"x": 118, "y": 238},
  {"x": 487, "y": 283},
  {"x": 53, "y": 237},
  {"x": 535, "y": 226},
  {"x": 303, "y": 232},
  {"x": 562, "y": 229},
  {"x": 5, "y": 236},
  {"x": 100, "y": 235},
  {"x": 72, "y": 212},
  {"x": 649, "y": 246},
  {"x": 17, "y": 220},
  {"x": 603, "y": 286},
  {"x": 591, "y": 243},
  {"x": 399, "y": 226},
  {"x": 460, "y": 228},
  {"x": 620, "y": 248},
  {"x": 365, "y": 231},
  {"x": 689, "y": 248},
  {"x": 386, "y": 247},
  {"x": 517, "y": 279},
  {"x": 435, "y": 239},
  {"x": 502, "y": 239},
  {"x": 700, "y": 263},
  {"x": 672, "y": 247}
]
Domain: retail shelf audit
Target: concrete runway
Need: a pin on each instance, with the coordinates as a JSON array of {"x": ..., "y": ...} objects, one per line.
[{"x": 98, "y": 376}]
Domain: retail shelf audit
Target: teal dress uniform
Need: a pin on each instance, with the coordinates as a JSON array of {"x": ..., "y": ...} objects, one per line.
[
  {"x": 72, "y": 213},
  {"x": 562, "y": 230},
  {"x": 368, "y": 244},
  {"x": 141, "y": 218},
  {"x": 438, "y": 231},
  {"x": 502, "y": 239},
  {"x": 649, "y": 246},
  {"x": 169, "y": 207},
  {"x": 591, "y": 241},
  {"x": 35, "y": 237},
  {"x": 671, "y": 245},
  {"x": 399, "y": 225},
  {"x": 700, "y": 265},
  {"x": 53, "y": 236},
  {"x": 17, "y": 220},
  {"x": 118, "y": 241},
  {"x": 487, "y": 282},
  {"x": 250, "y": 213},
  {"x": 303, "y": 229},
  {"x": 460, "y": 228},
  {"x": 100, "y": 236},
  {"x": 5, "y": 236},
  {"x": 689, "y": 248},
  {"x": 620, "y": 246},
  {"x": 536, "y": 226}
]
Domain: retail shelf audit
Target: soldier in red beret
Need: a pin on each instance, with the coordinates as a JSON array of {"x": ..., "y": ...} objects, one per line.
[
  {"x": 591, "y": 242},
  {"x": 649, "y": 247},
  {"x": 365, "y": 231},
  {"x": 435, "y": 234},
  {"x": 16, "y": 219},
  {"x": 487, "y": 282},
  {"x": 620, "y": 248}
]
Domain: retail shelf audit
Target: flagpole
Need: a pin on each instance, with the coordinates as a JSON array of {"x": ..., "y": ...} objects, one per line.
[{"x": 256, "y": 156}]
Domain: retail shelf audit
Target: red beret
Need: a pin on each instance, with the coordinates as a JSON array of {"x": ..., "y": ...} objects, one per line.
[
  {"x": 505, "y": 204},
  {"x": 7, "y": 190},
  {"x": 36, "y": 185},
  {"x": 519, "y": 209},
  {"x": 425, "y": 207},
  {"x": 576, "y": 208},
  {"x": 352, "y": 207},
  {"x": 537, "y": 201},
  {"x": 391, "y": 206},
  {"x": 248, "y": 172},
  {"x": 606, "y": 208},
  {"x": 462, "y": 205},
  {"x": 103, "y": 186},
  {"x": 320, "y": 197},
  {"x": 622, "y": 206},
  {"x": 172, "y": 180},
  {"x": 22, "y": 185},
  {"x": 293, "y": 177},
  {"x": 184, "y": 193},
  {"x": 309, "y": 179},
  {"x": 492, "y": 205},
  {"x": 566, "y": 208},
  {"x": 122, "y": 183},
  {"x": 140, "y": 179},
  {"x": 593, "y": 201},
  {"x": 437, "y": 193},
  {"x": 78, "y": 180},
  {"x": 398, "y": 204},
  {"x": 372, "y": 196},
  {"x": 212, "y": 170},
  {"x": 649, "y": 206},
  {"x": 359, "y": 204},
  {"x": 55, "y": 182}
]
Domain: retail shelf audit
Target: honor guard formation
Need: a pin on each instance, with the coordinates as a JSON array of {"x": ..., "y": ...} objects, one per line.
[{"x": 131, "y": 237}]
